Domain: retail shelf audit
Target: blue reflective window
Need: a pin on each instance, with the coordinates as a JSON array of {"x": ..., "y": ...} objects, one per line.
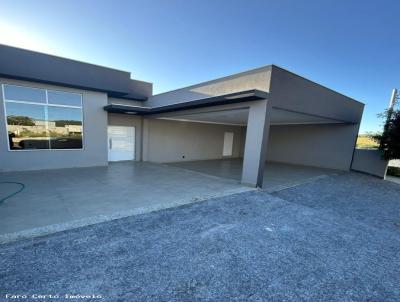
[
  {"x": 24, "y": 94},
  {"x": 64, "y": 98},
  {"x": 27, "y": 127},
  {"x": 43, "y": 119},
  {"x": 65, "y": 127}
]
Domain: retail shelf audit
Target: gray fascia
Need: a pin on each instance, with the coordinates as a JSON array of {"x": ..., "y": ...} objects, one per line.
[{"x": 231, "y": 98}]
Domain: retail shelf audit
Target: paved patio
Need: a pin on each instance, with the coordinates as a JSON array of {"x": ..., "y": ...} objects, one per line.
[
  {"x": 277, "y": 176},
  {"x": 330, "y": 240},
  {"x": 55, "y": 200}
]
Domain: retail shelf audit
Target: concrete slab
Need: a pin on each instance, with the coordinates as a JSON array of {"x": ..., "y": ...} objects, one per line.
[
  {"x": 277, "y": 176},
  {"x": 56, "y": 200}
]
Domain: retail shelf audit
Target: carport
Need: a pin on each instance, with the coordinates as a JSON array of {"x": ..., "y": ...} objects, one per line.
[
  {"x": 278, "y": 147},
  {"x": 279, "y": 171},
  {"x": 251, "y": 105}
]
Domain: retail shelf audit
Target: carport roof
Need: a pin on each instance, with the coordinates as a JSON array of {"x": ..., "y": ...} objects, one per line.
[{"x": 231, "y": 98}]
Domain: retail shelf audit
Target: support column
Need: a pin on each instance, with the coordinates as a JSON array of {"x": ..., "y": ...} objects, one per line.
[
  {"x": 256, "y": 143},
  {"x": 145, "y": 139}
]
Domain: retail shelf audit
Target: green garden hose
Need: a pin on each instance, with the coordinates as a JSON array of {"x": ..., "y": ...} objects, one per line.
[{"x": 22, "y": 186}]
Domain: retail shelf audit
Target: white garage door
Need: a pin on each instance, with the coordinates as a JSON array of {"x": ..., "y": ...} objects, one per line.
[{"x": 121, "y": 143}]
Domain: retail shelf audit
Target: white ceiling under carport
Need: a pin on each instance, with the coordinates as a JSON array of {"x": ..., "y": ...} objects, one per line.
[{"x": 239, "y": 117}]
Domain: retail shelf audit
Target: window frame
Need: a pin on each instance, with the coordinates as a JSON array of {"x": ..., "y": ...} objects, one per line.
[{"x": 45, "y": 105}]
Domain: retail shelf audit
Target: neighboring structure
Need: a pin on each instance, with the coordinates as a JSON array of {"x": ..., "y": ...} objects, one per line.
[{"x": 62, "y": 113}]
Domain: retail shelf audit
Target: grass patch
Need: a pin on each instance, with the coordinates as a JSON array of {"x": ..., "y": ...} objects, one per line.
[
  {"x": 393, "y": 171},
  {"x": 366, "y": 142}
]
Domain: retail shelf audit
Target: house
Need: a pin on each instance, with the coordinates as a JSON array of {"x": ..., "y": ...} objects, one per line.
[{"x": 62, "y": 113}]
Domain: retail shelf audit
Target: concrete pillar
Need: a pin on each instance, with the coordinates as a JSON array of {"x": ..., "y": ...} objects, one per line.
[
  {"x": 256, "y": 143},
  {"x": 145, "y": 139}
]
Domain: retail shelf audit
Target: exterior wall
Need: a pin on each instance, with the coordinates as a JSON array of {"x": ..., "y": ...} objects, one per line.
[
  {"x": 157, "y": 140},
  {"x": 169, "y": 141},
  {"x": 130, "y": 121},
  {"x": 140, "y": 89},
  {"x": 370, "y": 162},
  {"x": 94, "y": 137},
  {"x": 253, "y": 79},
  {"x": 292, "y": 92},
  {"x": 125, "y": 102},
  {"x": 326, "y": 146}
]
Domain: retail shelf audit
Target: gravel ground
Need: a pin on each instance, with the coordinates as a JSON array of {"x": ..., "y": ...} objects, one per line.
[
  {"x": 356, "y": 196},
  {"x": 331, "y": 240}
]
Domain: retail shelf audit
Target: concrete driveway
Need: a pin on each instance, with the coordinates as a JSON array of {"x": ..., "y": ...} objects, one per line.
[
  {"x": 335, "y": 239},
  {"x": 61, "y": 199},
  {"x": 56, "y": 200},
  {"x": 277, "y": 176}
]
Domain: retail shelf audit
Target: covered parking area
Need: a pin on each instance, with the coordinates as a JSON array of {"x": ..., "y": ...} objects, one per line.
[
  {"x": 285, "y": 157},
  {"x": 276, "y": 176},
  {"x": 265, "y": 127},
  {"x": 246, "y": 136}
]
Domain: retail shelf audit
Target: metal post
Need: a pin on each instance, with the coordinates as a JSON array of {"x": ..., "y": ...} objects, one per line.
[{"x": 393, "y": 99}]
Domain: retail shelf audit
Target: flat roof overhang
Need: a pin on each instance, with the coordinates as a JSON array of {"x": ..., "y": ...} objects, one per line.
[
  {"x": 239, "y": 117},
  {"x": 231, "y": 98}
]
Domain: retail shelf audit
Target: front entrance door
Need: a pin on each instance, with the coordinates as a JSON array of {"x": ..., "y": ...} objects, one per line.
[{"x": 121, "y": 143}]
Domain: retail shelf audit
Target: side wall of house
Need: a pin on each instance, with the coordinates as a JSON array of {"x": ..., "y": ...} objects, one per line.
[
  {"x": 173, "y": 141},
  {"x": 326, "y": 146},
  {"x": 94, "y": 152}
]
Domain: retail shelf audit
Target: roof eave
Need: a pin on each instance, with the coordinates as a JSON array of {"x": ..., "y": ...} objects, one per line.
[{"x": 231, "y": 98}]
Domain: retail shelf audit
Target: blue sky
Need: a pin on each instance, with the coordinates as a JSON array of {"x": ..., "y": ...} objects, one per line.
[{"x": 350, "y": 46}]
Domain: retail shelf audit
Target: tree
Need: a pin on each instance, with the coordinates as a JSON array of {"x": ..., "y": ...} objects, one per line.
[
  {"x": 389, "y": 140},
  {"x": 20, "y": 120},
  {"x": 62, "y": 123}
]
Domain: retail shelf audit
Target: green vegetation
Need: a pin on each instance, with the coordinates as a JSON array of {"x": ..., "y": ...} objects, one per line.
[
  {"x": 20, "y": 120},
  {"x": 62, "y": 135},
  {"x": 367, "y": 141},
  {"x": 389, "y": 140},
  {"x": 393, "y": 171},
  {"x": 63, "y": 123},
  {"x": 27, "y": 133}
]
